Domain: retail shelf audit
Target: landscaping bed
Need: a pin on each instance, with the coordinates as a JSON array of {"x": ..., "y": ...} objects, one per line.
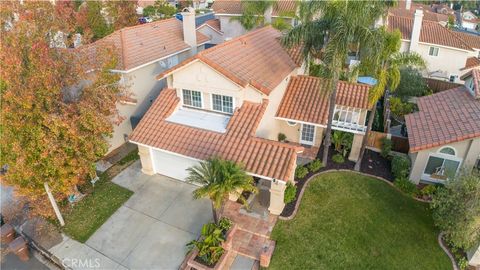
[
  {"x": 84, "y": 217},
  {"x": 351, "y": 221},
  {"x": 373, "y": 163}
]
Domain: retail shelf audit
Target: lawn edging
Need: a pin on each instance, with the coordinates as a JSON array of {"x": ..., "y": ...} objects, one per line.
[
  {"x": 297, "y": 205},
  {"x": 300, "y": 195}
]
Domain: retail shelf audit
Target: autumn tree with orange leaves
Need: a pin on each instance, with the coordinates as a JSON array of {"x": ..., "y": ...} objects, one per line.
[{"x": 58, "y": 105}]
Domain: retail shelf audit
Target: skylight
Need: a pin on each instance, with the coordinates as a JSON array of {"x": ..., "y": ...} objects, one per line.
[{"x": 200, "y": 119}]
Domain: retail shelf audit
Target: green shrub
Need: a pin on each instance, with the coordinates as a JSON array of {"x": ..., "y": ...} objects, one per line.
[
  {"x": 405, "y": 185},
  {"x": 400, "y": 167},
  {"x": 386, "y": 147},
  {"x": 300, "y": 172},
  {"x": 225, "y": 224},
  {"x": 428, "y": 190},
  {"x": 315, "y": 165},
  {"x": 209, "y": 244},
  {"x": 281, "y": 137},
  {"x": 290, "y": 193},
  {"x": 400, "y": 108},
  {"x": 338, "y": 158}
]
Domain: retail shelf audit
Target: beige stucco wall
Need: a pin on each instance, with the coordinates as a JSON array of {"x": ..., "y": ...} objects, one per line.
[
  {"x": 230, "y": 28},
  {"x": 448, "y": 60},
  {"x": 144, "y": 87},
  {"x": 215, "y": 37},
  {"x": 468, "y": 151}
]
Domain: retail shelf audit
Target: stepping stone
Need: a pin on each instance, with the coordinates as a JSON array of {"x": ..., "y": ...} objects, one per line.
[{"x": 242, "y": 263}]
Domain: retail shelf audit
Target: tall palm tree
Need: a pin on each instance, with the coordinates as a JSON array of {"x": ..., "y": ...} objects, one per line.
[
  {"x": 384, "y": 63},
  {"x": 253, "y": 14},
  {"x": 327, "y": 30},
  {"x": 219, "y": 178}
]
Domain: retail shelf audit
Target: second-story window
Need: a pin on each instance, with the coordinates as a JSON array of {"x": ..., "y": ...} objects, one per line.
[
  {"x": 433, "y": 51},
  {"x": 192, "y": 98},
  {"x": 222, "y": 103}
]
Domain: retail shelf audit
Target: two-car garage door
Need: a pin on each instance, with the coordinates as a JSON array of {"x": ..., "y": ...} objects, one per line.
[{"x": 171, "y": 165}]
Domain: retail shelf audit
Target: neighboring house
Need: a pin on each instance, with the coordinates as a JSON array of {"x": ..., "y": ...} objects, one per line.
[
  {"x": 444, "y": 135},
  {"x": 470, "y": 20},
  {"x": 472, "y": 40},
  {"x": 233, "y": 100},
  {"x": 227, "y": 10},
  {"x": 444, "y": 51},
  {"x": 210, "y": 27},
  {"x": 436, "y": 12},
  {"x": 143, "y": 51}
]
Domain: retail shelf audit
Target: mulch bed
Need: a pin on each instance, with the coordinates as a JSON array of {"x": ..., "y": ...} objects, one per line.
[{"x": 373, "y": 163}]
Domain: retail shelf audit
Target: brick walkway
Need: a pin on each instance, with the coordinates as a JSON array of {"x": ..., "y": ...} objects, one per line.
[
  {"x": 253, "y": 233},
  {"x": 310, "y": 152}
]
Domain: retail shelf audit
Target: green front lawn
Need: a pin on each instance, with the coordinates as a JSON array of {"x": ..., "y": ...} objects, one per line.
[
  {"x": 349, "y": 221},
  {"x": 86, "y": 216}
]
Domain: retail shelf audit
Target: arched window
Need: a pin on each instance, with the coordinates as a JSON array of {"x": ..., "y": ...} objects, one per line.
[
  {"x": 291, "y": 123},
  {"x": 447, "y": 150}
]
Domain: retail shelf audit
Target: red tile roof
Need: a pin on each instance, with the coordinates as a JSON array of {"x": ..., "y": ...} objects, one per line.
[
  {"x": 141, "y": 44},
  {"x": 446, "y": 117},
  {"x": 431, "y": 32},
  {"x": 256, "y": 58},
  {"x": 471, "y": 63},
  {"x": 307, "y": 98},
  {"x": 427, "y": 14},
  {"x": 234, "y": 7},
  {"x": 214, "y": 23},
  {"x": 259, "y": 156},
  {"x": 470, "y": 39}
]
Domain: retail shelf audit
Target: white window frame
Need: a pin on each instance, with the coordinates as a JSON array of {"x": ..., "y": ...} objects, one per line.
[
  {"x": 221, "y": 111},
  {"x": 433, "y": 51},
  {"x": 443, "y": 156},
  {"x": 455, "y": 76},
  {"x": 314, "y": 135},
  {"x": 192, "y": 106},
  {"x": 350, "y": 126}
]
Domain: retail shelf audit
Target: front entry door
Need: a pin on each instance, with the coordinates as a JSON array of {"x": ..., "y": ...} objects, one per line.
[{"x": 307, "y": 134}]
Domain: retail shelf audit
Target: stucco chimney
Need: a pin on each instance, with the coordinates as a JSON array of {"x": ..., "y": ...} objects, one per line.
[
  {"x": 417, "y": 27},
  {"x": 408, "y": 4},
  {"x": 189, "y": 31}
]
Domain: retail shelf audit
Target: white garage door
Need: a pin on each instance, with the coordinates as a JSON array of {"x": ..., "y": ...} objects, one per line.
[{"x": 172, "y": 165}]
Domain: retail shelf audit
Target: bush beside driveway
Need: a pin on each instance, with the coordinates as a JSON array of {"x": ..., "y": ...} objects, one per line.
[{"x": 352, "y": 221}]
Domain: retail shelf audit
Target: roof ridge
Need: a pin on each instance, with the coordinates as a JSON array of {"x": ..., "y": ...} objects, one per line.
[{"x": 122, "y": 42}]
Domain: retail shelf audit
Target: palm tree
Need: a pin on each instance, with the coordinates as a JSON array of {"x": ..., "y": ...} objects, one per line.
[
  {"x": 219, "y": 178},
  {"x": 327, "y": 38},
  {"x": 384, "y": 63},
  {"x": 253, "y": 14}
]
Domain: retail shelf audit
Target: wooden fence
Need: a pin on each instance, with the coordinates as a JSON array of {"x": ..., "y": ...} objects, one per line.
[
  {"x": 439, "y": 86},
  {"x": 399, "y": 144}
]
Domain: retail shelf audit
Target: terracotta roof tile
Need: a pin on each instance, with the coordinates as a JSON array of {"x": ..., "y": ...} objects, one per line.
[
  {"x": 140, "y": 44},
  {"x": 431, "y": 32},
  {"x": 307, "y": 98},
  {"x": 214, "y": 23},
  {"x": 471, "y": 40},
  {"x": 259, "y": 156},
  {"x": 471, "y": 63},
  {"x": 446, "y": 117},
  {"x": 257, "y": 59},
  {"x": 428, "y": 13},
  {"x": 284, "y": 8}
]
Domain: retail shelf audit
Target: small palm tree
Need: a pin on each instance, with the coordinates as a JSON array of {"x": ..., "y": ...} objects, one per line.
[
  {"x": 253, "y": 14},
  {"x": 384, "y": 63},
  {"x": 219, "y": 178}
]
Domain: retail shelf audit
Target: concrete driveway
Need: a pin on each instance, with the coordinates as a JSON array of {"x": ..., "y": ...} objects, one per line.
[{"x": 151, "y": 229}]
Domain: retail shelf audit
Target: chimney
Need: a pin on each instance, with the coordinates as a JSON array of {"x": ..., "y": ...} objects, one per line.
[
  {"x": 416, "y": 28},
  {"x": 189, "y": 31},
  {"x": 408, "y": 4}
]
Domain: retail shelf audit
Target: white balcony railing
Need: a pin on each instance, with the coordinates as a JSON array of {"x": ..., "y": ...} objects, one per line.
[{"x": 349, "y": 127}]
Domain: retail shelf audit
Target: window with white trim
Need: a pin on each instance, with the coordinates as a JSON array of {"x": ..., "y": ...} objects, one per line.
[
  {"x": 308, "y": 134},
  {"x": 192, "y": 98},
  {"x": 433, "y": 51},
  {"x": 442, "y": 165},
  {"x": 222, "y": 103}
]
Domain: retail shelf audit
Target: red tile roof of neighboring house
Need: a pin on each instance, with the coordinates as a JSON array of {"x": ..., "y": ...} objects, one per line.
[
  {"x": 427, "y": 14},
  {"x": 446, "y": 117},
  {"x": 214, "y": 23},
  {"x": 470, "y": 39},
  {"x": 307, "y": 98},
  {"x": 256, "y": 58},
  {"x": 235, "y": 7},
  {"x": 471, "y": 63},
  {"x": 431, "y": 32},
  {"x": 141, "y": 44},
  {"x": 475, "y": 73},
  {"x": 259, "y": 156}
]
